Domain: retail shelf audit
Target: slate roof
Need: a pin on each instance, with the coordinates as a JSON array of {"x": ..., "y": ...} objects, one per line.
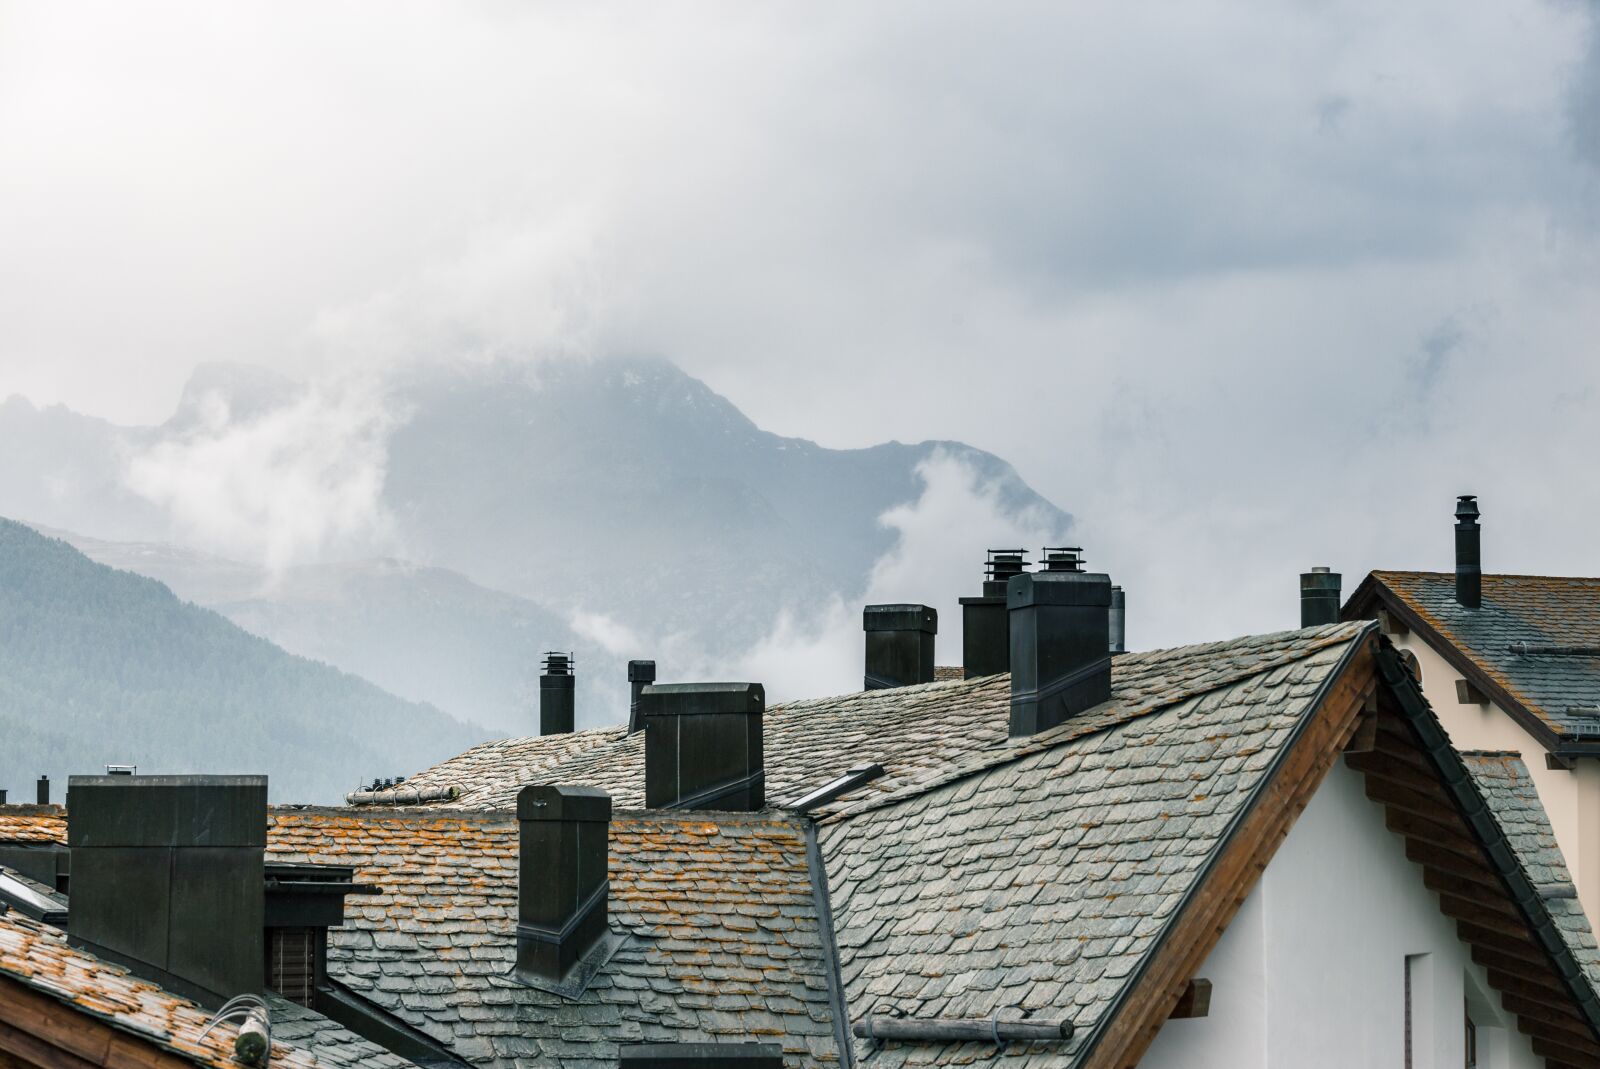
[
  {"x": 1507, "y": 788},
  {"x": 33, "y": 824},
  {"x": 1036, "y": 885},
  {"x": 38, "y": 957},
  {"x": 719, "y": 911},
  {"x": 919, "y": 734},
  {"x": 1541, "y": 610}
]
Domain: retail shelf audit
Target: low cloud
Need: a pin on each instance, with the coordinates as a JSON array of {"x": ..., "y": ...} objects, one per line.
[{"x": 297, "y": 483}]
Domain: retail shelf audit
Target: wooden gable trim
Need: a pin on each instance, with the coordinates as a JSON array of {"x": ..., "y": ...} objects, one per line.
[
  {"x": 1194, "y": 932},
  {"x": 38, "y": 1030}
]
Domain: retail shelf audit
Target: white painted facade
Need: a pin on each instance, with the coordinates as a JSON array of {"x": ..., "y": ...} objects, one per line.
[
  {"x": 1311, "y": 972},
  {"x": 1572, "y": 799}
]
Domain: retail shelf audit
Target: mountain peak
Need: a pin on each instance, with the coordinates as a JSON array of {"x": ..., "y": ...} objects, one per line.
[{"x": 247, "y": 390}]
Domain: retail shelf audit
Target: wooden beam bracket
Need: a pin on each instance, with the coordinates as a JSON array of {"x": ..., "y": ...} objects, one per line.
[{"x": 1194, "y": 1002}]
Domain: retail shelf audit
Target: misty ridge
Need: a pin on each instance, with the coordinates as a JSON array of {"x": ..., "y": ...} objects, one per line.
[{"x": 435, "y": 531}]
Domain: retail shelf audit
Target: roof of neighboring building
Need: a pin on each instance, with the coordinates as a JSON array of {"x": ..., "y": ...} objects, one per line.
[
  {"x": 33, "y": 824},
  {"x": 919, "y": 734},
  {"x": 1539, "y": 685},
  {"x": 1503, "y": 781},
  {"x": 719, "y": 913},
  {"x": 39, "y": 958}
]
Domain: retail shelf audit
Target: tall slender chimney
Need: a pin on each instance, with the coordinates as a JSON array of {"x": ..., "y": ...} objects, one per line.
[
  {"x": 42, "y": 790},
  {"x": 899, "y": 644},
  {"x": 703, "y": 746},
  {"x": 556, "y": 695},
  {"x": 1060, "y": 663},
  {"x": 1469, "y": 562},
  {"x": 167, "y": 878},
  {"x": 1119, "y": 620},
  {"x": 1319, "y": 597},
  {"x": 562, "y": 886},
  {"x": 985, "y": 631},
  {"x": 640, "y": 675}
]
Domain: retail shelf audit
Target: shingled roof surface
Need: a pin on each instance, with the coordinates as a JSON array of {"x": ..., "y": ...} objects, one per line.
[
  {"x": 1507, "y": 788},
  {"x": 33, "y": 824},
  {"x": 38, "y": 957},
  {"x": 1037, "y": 884},
  {"x": 1535, "y": 609},
  {"x": 718, "y": 910},
  {"x": 919, "y": 734}
]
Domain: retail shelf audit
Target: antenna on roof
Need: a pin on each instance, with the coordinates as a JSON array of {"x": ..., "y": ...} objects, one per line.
[{"x": 253, "y": 1045}]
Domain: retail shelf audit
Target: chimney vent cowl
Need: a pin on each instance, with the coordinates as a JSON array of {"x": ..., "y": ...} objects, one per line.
[
  {"x": 42, "y": 790},
  {"x": 985, "y": 632},
  {"x": 1060, "y": 659},
  {"x": 640, "y": 675},
  {"x": 1319, "y": 597},
  {"x": 168, "y": 878},
  {"x": 899, "y": 645},
  {"x": 562, "y": 885},
  {"x": 703, "y": 746},
  {"x": 1469, "y": 561},
  {"x": 557, "y": 695}
]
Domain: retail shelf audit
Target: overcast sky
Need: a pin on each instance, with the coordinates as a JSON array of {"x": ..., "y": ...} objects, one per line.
[{"x": 1244, "y": 287}]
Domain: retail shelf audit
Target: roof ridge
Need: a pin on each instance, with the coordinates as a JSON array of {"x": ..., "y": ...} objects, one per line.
[
  {"x": 1077, "y": 727},
  {"x": 1487, "y": 575}
]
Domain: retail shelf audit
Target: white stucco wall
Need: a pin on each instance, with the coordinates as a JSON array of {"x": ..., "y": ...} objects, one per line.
[
  {"x": 1311, "y": 972},
  {"x": 1572, "y": 799}
]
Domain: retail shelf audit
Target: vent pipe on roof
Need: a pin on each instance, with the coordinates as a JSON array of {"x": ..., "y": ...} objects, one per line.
[
  {"x": 702, "y": 746},
  {"x": 42, "y": 790},
  {"x": 562, "y": 888},
  {"x": 985, "y": 633},
  {"x": 167, "y": 878},
  {"x": 1060, "y": 664},
  {"x": 899, "y": 644},
  {"x": 640, "y": 675},
  {"x": 1469, "y": 563},
  {"x": 1118, "y": 638},
  {"x": 1319, "y": 597},
  {"x": 556, "y": 695}
]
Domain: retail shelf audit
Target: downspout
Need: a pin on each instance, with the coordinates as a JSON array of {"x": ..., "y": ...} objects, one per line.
[{"x": 830, "y": 948}]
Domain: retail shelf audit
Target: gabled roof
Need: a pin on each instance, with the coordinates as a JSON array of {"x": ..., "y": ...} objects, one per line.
[
  {"x": 1536, "y": 683},
  {"x": 919, "y": 734},
  {"x": 35, "y": 961},
  {"x": 720, "y": 914}
]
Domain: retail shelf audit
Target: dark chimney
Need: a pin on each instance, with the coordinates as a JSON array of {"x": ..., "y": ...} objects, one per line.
[
  {"x": 561, "y": 885},
  {"x": 1319, "y": 597},
  {"x": 899, "y": 644},
  {"x": 42, "y": 790},
  {"x": 556, "y": 694},
  {"x": 701, "y": 1056},
  {"x": 702, "y": 746},
  {"x": 167, "y": 878},
  {"x": 1469, "y": 562},
  {"x": 640, "y": 675},
  {"x": 1119, "y": 621},
  {"x": 1060, "y": 620},
  {"x": 985, "y": 633},
  {"x": 2, "y": 796}
]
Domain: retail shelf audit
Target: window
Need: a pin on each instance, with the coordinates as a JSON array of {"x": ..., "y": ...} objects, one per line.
[
  {"x": 292, "y": 962},
  {"x": 1470, "y": 1043}
]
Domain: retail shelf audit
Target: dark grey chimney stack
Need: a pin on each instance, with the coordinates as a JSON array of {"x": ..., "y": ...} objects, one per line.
[
  {"x": 1319, "y": 597},
  {"x": 1119, "y": 620},
  {"x": 1469, "y": 562},
  {"x": 640, "y": 675},
  {"x": 562, "y": 885},
  {"x": 702, "y": 746},
  {"x": 42, "y": 790},
  {"x": 167, "y": 878},
  {"x": 899, "y": 644},
  {"x": 985, "y": 632},
  {"x": 1060, "y": 620},
  {"x": 556, "y": 713}
]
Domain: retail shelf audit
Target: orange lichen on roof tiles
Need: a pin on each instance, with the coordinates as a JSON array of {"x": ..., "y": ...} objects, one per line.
[
  {"x": 38, "y": 957},
  {"x": 33, "y": 824}
]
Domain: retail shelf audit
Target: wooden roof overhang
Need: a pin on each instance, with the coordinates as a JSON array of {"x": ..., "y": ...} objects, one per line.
[
  {"x": 39, "y": 1031},
  {"x": 1373, "y": 712}
]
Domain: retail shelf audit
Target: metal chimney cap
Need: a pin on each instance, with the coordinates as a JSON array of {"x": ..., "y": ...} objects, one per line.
[
  {"x": 900, "y": 618},
  {"x": 569, "y": 802},
  {"x": 698, "y": 699},
  {"x": 641, "y": 671},
  {"x": 1062, "y": 558},
  {"x": 1058, "y": 588},
  {"x": 557, "y": 663},
  {"x": 1467, "y": 508}
]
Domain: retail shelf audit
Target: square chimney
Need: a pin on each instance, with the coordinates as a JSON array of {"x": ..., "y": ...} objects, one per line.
[
  {"x": 562, "y": 880},
  {"x": 899, "y": 645},
  {"x": 1060, "y": 649},
  {"x": 703, "y": 746}
]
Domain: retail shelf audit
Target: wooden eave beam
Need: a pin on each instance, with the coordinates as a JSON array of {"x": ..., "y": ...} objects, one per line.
[
  {"x": 71, "y": 1038},
  {"x": 1476, "y": 869},
  {"x": 1195, "y": 1000}
]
